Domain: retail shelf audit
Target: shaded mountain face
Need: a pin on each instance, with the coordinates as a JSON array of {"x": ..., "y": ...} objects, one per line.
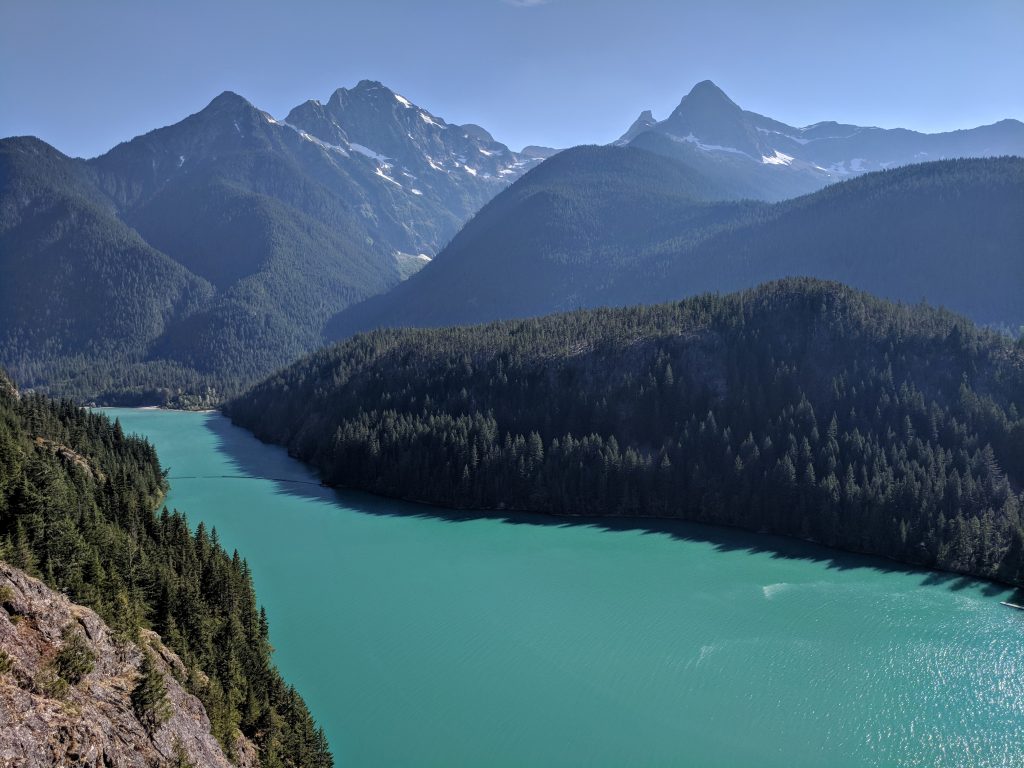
[
  {"x": 773, "y": 160},
  {"x": 208, "y": 252},
  {"x": 562, "y": 237},
  {"x": 610, "y": 226}
]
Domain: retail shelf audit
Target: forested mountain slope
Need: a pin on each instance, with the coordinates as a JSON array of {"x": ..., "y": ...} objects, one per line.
[
  {"x": 613, "y": 226},
  {"x": 950, "y": 233},
  {"x": 77, "y": 501},
  {"x": 801, "y": 407},
  {"x": 78, "y": 283},
  {"x": 197, "y": 257},
  {"x": 562, "y": 237}
]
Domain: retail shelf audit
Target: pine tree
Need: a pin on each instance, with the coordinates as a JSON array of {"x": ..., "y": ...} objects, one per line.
[{"x": 149, "y": 696}]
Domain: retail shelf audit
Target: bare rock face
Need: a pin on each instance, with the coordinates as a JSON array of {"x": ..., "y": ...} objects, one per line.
[{"x": 93, "y": 723}]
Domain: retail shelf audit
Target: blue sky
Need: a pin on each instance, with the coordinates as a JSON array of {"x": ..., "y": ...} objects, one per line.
[{"x": 85, "y": 75}]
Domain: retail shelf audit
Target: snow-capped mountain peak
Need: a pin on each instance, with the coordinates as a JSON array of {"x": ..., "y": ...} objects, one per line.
[{"x": 709, "y": 123}]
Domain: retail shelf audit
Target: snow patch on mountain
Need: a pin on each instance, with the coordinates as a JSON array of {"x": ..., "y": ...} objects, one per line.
[
  {"x": 368, "y": 152},
  {"x": 797, "y": 139},
  {"x": 381, "y": 172},
  {"x": 403, "y": 101},
  {"x": 777, "y": 159},
  {"x": 320, "y": 143},
  {"x": 691, "y": 139}
]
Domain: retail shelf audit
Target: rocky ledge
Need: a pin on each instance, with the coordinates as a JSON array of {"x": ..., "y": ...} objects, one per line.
[{"x": 91, "y": 721}]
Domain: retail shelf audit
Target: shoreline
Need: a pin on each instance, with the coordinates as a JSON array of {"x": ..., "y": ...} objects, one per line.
[
  {"x": 652, "y": 522},
  {"x": 155, "y": 408}
]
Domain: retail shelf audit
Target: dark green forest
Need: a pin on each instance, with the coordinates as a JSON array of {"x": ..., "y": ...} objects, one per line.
[
  {"x": 77, "y": 500},
  {"x": 801, "y": 407}
]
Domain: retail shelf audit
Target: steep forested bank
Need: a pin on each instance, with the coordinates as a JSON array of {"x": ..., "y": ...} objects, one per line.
[
  {"x": 801, "y": 407},
  {"x": 76, "y": 508}
]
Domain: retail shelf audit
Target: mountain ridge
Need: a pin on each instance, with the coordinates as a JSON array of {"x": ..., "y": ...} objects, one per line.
[
  {"x": 256, "y": 230},
  {"x": 778, "y": 160},
  {"x": 610, "y": 226}
]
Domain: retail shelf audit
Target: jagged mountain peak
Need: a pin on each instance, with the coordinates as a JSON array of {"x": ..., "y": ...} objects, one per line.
[
  {"x": 708, "y": 117},
  {"x": 708, "y": 89},
  {"x": 704, "y": 100},
  {"x": 408, "y": 142},
  {"x": 644, "y": 122},
  {"x": 707, "y": 127},
  {"x": 477, "y": 132},
  {"x": 368, "y": 92},
  {"x": 229, "y": 101}
]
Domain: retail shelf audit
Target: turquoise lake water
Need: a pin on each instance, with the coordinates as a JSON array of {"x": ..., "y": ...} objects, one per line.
[{"x": 422, "y": 639}]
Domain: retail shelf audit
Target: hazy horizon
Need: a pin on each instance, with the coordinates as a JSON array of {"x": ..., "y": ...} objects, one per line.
[{"x": 554, "y": 72}]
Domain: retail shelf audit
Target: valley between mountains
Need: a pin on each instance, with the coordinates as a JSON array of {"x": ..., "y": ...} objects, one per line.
[
  {"x": 583, "y": 365},
  {"x": 184, "y": 265}
]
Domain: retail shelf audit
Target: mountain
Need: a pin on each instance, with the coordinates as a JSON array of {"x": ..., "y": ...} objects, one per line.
[
  {"x": 604, "y": 226},
  {"x": 556, "y": 240},
  {"x": 950, "y": 233},
  {"x": 188, "y": 262},
  {"x": 773, "y": 161},
  {"x": 77, "y": 280},
  {"x": 801, "y": 407},
  {"x": 451, "y": 170},
  {"x": 78, "y": 509},
  {"x": 202, "y": 255}
]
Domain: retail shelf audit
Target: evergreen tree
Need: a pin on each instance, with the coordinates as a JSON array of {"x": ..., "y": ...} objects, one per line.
[{"x": 149, "y": 696}]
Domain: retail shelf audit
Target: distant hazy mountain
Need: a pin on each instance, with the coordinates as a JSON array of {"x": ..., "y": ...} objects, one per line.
[
  {"x": 213, "y": 250},
  {"x": 449, "y": 171},
  {"x": 598, "y": 226},
  {"x": 772, "y": 161},
  {"x": 560, "y": 238}
]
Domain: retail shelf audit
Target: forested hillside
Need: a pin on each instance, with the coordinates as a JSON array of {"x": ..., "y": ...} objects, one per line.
[
  {"x": 569, "y": 234},
  {"x": 77, "y": 500},
  {"x": 190, "y": 261},
  {"x": 614, "y": 226},
  {"x": 79, "y": 285},
  {"x": 950, "y": 233},
  {"x": 801, "y": 407}
]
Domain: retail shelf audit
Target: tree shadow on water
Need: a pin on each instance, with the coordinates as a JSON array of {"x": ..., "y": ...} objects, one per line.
[{"x": 253, "y": 459}]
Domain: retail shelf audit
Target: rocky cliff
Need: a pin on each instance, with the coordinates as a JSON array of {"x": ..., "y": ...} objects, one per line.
[{"x": 47, "y": 719}]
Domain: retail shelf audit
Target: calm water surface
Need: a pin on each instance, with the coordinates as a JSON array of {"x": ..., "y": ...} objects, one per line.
[{"x": 424, "y": 641}]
